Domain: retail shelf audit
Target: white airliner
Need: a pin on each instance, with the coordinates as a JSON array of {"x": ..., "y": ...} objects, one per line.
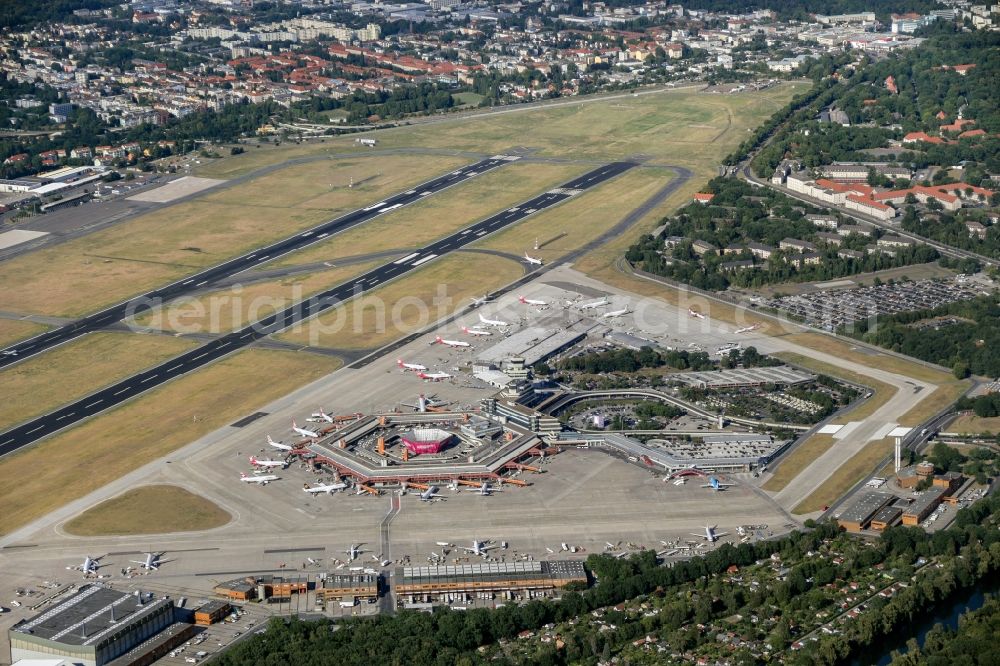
[
  {"x": 748, "y": 329},
  {"x": 594, "y": 304},
  {"x": 256, "y": 462},
  {"x": 492, "y": 322},
  {"x": 695, "y": 313},
  {"x": 151, "y": 563},
  {"x": 410, "y": 366},
  {"x": 321, "y": 416},
  {"x": 475, "y": 331},
  {"x": 714, "y": 484},
  {"x": 279, "y": 445},
  {"x": 430, "y": 495},
  {"x": 528, "y": 301},
  {"x": 478, "y": 547},
  {"x": 353, "y": 552},
  {"x": 305, "y": 432},
  {"x": 615, "y": 313},
  {"x": 729, "y": 347},
  {"x": 262, "y": 479},
  {"x": 328, "y": 488},
  {"x": 90, "y": 565},
  {"x": 451, "y": 343},
  {"x": 486, "y": 490},
  {"x": 532, "y": 260},
  {"x": 710, "y": 535},
  {"x": 434, "y": 376}
]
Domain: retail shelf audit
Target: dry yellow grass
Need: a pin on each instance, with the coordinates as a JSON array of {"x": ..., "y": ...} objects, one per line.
[
  {"x": 974, "y": 425},
  {"x": 336, "y": 185},
  {"x": 72, "y": 464},
  {"x": 13, "y": 330},
  {"x": 579, "y": 220},
  {"x": 228, "y": 309},
  {"x": 108, "y": 266},
  {"x": 871, "y": 356},
  {"x": 437, "y": 216},
  {"x": 75, "y": 369},
  {"x": 391, "y": 312},
  {"x": 797, "y": 460},
  {"x": 159, "y": 509}
]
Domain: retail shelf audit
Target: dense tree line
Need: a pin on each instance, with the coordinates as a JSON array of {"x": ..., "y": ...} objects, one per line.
[
  {"x": 971, "y": 643},
  {"x": 803, "y": 9},
  {"x": 970, "y": 336},
  {"x": 951, "y": 230}
]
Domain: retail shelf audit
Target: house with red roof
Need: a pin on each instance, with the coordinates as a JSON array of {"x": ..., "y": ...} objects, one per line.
[
  {"x": 922, "y": 137},
  {"x": 703, "y": 197}
]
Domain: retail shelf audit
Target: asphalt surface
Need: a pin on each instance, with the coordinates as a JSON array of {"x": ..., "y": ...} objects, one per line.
[
  {"x": 126, "y": 389},
  {"x": 139, "y": 304}
]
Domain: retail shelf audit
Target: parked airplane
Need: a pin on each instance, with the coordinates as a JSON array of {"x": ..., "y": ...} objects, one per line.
[
  {"x": 256, "y": 462},
  {"x": 714, "y": 484},
  {"x": 262, "y": 479},
  {"x": 305, "y": 432},
  {"x": 90, "y": 565},
  {"x": 532, "y": 260},
  {"x": 615, "y": 313},
  {"x": 529, "y": 301},
  {"x": 594, "y": 304},
  {"x": 279, "y": 445},
  {"x": 710, "y": 535},
  {"x": 328, "y": 488},
  {"x": 403, "y": 365},
  {"x": 434, "y": 376},
  {"x": 475, "y": 331},
  {"x": 486, "y": 490},
  {"x": 478, "y": 547},
  {"x": 151, "y": 563},
  {"x": 321, "y": 416},
  {"x": 354, "y": 551},
  {"x": 430, "y": 495},
  {"x": 728, "y": 347},
  {"x": 748, "y": 329},
  {"x": 492, "y": 322},
  {"x": 451, "y": 343},
  {"x": 695, "y": 313}
]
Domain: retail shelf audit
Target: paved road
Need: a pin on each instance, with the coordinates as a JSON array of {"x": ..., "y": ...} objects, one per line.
[
  {"x": 139, "y": 304},
  {"x": 111, "y": 396}
]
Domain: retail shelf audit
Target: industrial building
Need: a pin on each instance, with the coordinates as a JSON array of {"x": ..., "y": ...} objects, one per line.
[
  {"x": 211, "y": 612},
  {"x": 95, "y": 626},
  {"x": 782, "y": 375},
  {"x": 415, "y": 585},
  {"x": 348, "y": 589},
  {"x": 858, "y": 516}
]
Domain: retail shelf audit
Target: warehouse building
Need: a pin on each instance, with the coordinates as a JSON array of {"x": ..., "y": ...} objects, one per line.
[
  {"x": 93, "y": 627},
  {"x": 858, "y": 516},
  {"x": 347, "y": 589},
  {"x": 460, "y": 582}
]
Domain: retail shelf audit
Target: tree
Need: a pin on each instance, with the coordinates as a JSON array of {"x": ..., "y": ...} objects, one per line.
[{"x": 960, "y": 370}]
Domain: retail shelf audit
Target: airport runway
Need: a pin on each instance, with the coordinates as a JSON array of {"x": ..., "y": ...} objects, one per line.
[
  {"x": 133, "y": 306},
  {"x": 111, "y": 396}
]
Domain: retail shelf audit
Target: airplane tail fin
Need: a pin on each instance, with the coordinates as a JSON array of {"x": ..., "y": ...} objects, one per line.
[{"x": 243, "y": 475}]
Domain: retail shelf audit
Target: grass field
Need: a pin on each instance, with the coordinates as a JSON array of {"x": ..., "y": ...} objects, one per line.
[
  {"x": 468, "y": 98},
  {"x": 159, "y": 509},
  {"x": 77, "y": 368},
  {"x": 70, "y": 465},
  {"x": 678, "y": 127},
  {"x": 12, "y": 330},
  {"x": 975, "y": 425},
  {"x": 108, "y": 266},
  {"x": 401, "y": 307},
  {"x": 437, "y": 216},
  {"x": 227, "y": 309},
  {"x": 581, "y": 219}
]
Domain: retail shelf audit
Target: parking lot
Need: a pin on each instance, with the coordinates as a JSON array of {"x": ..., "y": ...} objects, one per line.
[{"x": 833, "y": 309}]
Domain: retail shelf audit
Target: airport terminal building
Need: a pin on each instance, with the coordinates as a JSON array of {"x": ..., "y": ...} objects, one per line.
[{"x": 93, "y": 627}]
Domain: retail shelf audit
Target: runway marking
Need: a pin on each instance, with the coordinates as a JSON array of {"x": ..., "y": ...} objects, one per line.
[
  {"x": 201, "y": 283},
  {"x": 392, "y": 207},
  {"x": 482, "y": 233},
  {"x": 35, "y": 430},
  {"x": 263, "y": 258},
  {"x": 306, "y": 234},
  {"x": 251, "y": 256},
  {"x": 147, "y": 379},
  {"x": 406, "y": 258},
  {"x": 188, "y": 281},
  {"x": 94, "y": 403},
  {"x": 323, "y": 235},
  {"x": 425, "y": 259},
  {"x": 411, "y": 192},
  {"x": 374, "y": 206},
  {"x": 174, "y": 368},
  {"x": 424, "y": 194},
  {"x": 199, "y": 356},
  {"x": 124, "y": 390}
]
